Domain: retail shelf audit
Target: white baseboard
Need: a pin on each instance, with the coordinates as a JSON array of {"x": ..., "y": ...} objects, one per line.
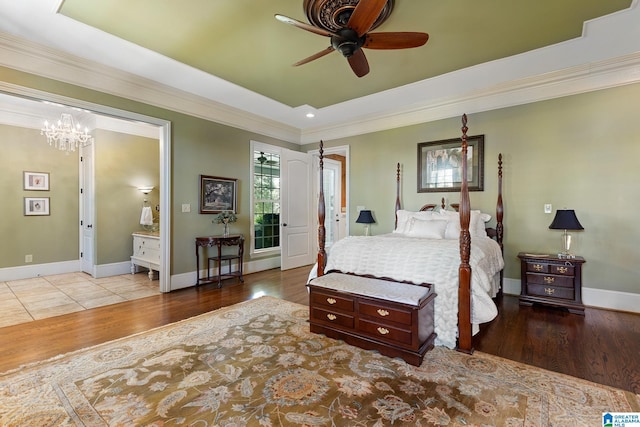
[
  {"x": 592, "y": 297},
  {"x": 53, "y": 268},
  {"x": 37, "y": 270},
  {"x": 114, "y": 269}
]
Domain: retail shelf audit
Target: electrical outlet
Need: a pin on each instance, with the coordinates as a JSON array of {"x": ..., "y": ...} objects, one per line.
[
  {"x": 547, "y": 208},
  {"x": 186, "y": 207},
  {"x": 28, "y": 258}
]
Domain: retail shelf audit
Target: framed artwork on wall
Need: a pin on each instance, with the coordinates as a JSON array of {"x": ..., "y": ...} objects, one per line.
[
  {"x": 34, "y": 206},
  {"x": 36, "y": 181},
  {"x": 440, "y": 166},
  {"x": 218, "y": 194}
]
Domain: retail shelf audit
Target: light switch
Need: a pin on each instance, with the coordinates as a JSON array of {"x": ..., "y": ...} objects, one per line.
[
  {"x": 186, "y": 207},
  {"x": 547, "y": 208}
]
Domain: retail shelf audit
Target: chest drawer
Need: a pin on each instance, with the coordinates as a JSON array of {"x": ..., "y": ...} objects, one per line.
[
  {"x": 385, "y": 332},
  {"x": 332, "y": 317},
  {"x": 550, "y": 291},
  {"x": 331, "y": 300},
  {"x": 384, "y": 313},
  {"x": 549, "y": 280}
]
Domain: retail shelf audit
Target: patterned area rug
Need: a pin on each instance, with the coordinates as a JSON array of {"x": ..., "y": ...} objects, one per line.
[{"x": 257, "y": 364}]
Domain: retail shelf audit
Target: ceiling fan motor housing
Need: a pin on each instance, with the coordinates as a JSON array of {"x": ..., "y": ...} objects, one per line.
[{"x": 347, "y": 42}]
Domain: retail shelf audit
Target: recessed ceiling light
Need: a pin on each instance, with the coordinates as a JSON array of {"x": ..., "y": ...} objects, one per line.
[{"x": 310, "y": 115}]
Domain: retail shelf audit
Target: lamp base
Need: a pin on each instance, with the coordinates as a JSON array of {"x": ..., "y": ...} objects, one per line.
[{"x": 563, "y": 255}]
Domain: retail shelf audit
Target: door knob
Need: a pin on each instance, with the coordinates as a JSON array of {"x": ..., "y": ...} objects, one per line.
[{"x": 284, "y": 225}]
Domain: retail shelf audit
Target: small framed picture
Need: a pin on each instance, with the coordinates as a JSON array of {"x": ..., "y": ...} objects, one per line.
[
  {"x": 217, "y": 194},
  {"x": 37, "y": 181},
  {"x": 36, "y": 206}
]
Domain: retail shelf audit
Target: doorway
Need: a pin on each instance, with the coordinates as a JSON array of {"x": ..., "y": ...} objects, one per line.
[{"x": 31, "y": 105}]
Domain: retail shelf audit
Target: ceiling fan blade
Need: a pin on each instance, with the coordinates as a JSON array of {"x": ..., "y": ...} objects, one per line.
[
  {"x": 359, "y": 63},
  {"x": 304, "y": 26},
  {"x": 395, "y": 40},
  {"x": 365, "y": 14},
  {"x": 315, "y": 56}
]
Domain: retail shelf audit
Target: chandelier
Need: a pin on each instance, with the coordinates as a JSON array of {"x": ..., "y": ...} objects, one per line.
[{"x": 66, "y": 135}]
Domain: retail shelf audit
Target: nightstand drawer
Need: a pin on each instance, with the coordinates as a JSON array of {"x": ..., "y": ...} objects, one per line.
[
  {"x": 550, "y": 280},
  {"x": 550, "y": 291},
  {"x": 564, "y": 270}
]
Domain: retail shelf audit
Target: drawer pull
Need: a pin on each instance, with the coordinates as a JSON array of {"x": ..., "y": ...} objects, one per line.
[
  {"x": 538, "y": 267},
  {"x": 331, "y": 316},
  {"x": 549, "y": 291},
  {"x": 331, "y": 301},
  {"x": 563, "y": 270},
  {"x": 383, "y": 331},
  {"x": 382, "y": 312},
  {"x": 548, "y": 279}
]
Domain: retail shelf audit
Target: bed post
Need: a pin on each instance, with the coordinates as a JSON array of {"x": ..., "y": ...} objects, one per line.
[
  {"x": 499, "y": 206},
  {"x": 322, "y": 255},
  {"x": 465, "y": 344},
  {"x": 499, "y": 218},
  {"x": 398, "y": 206}
]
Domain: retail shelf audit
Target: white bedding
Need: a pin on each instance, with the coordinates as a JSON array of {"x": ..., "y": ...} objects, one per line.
[{"x": 421, "y": 260}]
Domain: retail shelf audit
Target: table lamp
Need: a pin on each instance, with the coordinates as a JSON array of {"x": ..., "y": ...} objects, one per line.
[
  {"x": 365, "y": 218},
  {"x": 566, "y": 220}
]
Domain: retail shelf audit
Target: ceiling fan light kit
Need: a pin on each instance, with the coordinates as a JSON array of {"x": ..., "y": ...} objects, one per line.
[{"x": 347, "y": 23}]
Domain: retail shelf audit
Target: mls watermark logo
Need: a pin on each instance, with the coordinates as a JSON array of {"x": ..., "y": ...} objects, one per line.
[{"x": 621, "y": 419}]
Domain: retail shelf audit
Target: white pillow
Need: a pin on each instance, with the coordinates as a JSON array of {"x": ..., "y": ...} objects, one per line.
[
  {"x": 404, "y": 218},
  {"x": 430, "y": 229},
  {"x": 476, "y": 224}
]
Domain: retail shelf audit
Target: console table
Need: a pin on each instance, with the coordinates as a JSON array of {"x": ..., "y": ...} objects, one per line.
[{"x": 233, "y": 240}]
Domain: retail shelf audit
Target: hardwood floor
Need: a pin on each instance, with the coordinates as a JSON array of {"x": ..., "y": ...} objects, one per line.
[{"x": 603, "y": 346}]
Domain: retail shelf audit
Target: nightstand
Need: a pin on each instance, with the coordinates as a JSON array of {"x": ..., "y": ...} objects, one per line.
[{"x": 551, "y": 280}]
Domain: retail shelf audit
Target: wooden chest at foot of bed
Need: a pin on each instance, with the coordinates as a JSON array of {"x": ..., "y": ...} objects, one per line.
[{"x": 394, "y": 318}]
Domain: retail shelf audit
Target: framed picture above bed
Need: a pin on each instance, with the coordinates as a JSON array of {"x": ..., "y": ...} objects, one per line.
[
  {"x": 218, "y": 194},
  {"x": 440, "y": 168}
]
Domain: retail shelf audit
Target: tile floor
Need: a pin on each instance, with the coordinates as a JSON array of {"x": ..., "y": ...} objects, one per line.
[{"x": 40, "y": 297}]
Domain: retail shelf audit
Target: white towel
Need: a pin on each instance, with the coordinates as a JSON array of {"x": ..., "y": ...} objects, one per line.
[{"x": 146, "y": 218}]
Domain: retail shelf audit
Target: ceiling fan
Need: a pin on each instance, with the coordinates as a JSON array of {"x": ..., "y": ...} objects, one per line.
[{"x": 354, "y": 35}]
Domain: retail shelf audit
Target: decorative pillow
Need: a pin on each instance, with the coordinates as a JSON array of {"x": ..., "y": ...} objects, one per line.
[
  {"x": 404, "y": 218},
  {"x": 430, "y": 229},
  {"x": 476, "y": 224}
]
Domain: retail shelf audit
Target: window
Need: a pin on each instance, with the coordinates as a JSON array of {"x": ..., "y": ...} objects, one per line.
[{"x": 266, "y": 199}]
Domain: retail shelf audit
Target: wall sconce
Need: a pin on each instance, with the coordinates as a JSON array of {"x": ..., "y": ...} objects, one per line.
[
  {"x": 365, "y": 218},
  {"x": 566, "y": 220},
  {"x": 146, "y": 189}
]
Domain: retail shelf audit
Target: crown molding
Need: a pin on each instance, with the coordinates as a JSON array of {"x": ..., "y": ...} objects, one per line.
[{"x": 27, "y": 56}]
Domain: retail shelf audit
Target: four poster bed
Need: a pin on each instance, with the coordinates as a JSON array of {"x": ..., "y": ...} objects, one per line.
[{"x": 447, "y": 253}]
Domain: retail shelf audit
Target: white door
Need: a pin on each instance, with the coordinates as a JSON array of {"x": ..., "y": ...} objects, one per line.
[
  {"x": 296, "y": 228},
  {"x": 87, "y": 209},
  {"x": 332, "y": 176}
]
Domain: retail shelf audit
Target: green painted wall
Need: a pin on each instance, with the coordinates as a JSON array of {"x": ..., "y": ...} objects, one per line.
[
  {"x": 122, "y": 164},
  {"x": 51, "y": 238},
  {"x": 578, "y": 152}
]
